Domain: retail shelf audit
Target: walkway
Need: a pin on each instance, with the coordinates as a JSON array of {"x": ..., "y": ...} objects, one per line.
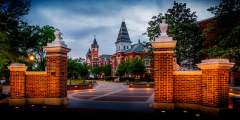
[{"x": 112, "y": 96}]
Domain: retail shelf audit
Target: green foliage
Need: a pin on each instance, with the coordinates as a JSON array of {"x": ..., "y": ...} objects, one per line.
[
  {"x": 107, "y": 70},
  {"x": 11, "y": 37},
  {"x": 108, "y": 78},
  {"x": 45, "y": 35},
  {"x": 133, "y": 67},
  {"x": 96, "y": 71},
  {"x": 76, "y": 69},
  {"x": 18, "y": 39},
  {"x": 137, "y": 67},
  {"x": 226, "y": 27},
  {"x": 123, "y": 68},
  {"x": 183, "y": 28}
]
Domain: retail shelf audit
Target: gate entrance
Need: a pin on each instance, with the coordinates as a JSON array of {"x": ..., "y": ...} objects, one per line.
[
  {"x": 44, "y": 87},
  {"x": 201, "y": 89}
]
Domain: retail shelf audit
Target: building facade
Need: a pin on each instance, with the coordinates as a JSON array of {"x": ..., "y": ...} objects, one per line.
[
  {"x": 93, "y": 58},
  {"x": 125, "y": 50}
]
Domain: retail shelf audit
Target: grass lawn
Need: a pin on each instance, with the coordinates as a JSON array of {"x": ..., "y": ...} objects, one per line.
[{"x": 73, "y": 82}]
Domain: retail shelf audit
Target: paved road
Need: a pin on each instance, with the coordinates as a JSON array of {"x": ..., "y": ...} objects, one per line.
[{"x": 112, "y": 96}]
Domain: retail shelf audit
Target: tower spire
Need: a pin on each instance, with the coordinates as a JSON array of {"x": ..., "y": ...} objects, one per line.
[
  {"x": 123, "y": 35},
  {"x": 94, "y": 44}
]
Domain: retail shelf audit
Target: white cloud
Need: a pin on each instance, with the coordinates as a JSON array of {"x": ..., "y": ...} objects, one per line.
[{"x": 78, "y": 28}]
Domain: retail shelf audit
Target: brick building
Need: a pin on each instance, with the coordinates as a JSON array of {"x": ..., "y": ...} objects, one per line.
[
  {"x": 125, "y": 50},
  {"x": 92, "y": 57}
]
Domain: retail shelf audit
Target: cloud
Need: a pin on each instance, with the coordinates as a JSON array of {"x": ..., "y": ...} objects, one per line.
[{"x": 80, "y": 20}]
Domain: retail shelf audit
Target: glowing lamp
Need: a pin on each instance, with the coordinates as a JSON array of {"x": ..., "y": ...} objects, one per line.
[{"x": 31, "y": 58}]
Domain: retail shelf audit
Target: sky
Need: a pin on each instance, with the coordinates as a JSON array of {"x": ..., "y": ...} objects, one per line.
[{"x": 81, "y": 20}]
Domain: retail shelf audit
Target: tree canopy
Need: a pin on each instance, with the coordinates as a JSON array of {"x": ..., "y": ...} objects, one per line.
[
  {"x": 226, "y": 28},
  {"x": 77, "y": 70},
  {"x": 133, "y": 67},
  {"x": 183, "y": 28},
  {"x": 18, "y": 39}
]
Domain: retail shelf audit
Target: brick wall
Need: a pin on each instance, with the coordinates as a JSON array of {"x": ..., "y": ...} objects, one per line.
[
  {"x": 187, "y": 87},
  {"x": 215, "y": 87},
  {"x": 36, "y": 84},
  {"x": 17, "y": 84},
  {"x": 163, "y": 77}
]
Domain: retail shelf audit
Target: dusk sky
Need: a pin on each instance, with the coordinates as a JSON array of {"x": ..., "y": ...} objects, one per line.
[{"x": 80, "y": 20}]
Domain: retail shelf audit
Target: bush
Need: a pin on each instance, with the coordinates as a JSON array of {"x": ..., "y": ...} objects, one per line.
[
  {"x": 128, "y": 79},
  {"x": 108, "y": 78}
]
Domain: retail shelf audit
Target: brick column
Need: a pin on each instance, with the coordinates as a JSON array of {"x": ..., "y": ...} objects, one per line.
[
  {"x": 215, "y": 82},
  {"x": 56, "y": 56},
  {"x": 17, "y": 84},
  {"x": 163, "y": 73}
]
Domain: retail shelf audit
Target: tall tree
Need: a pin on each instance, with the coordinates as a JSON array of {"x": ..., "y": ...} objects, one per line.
[
  {"x": 11, "y": 13},
  {"x": 137, "y": 67},
  {"x": 107, "y": 70},
  {"x": 183, "y": 28},
  {"x": 226, "y": 27},
  {"x": 46, "y": 35}
]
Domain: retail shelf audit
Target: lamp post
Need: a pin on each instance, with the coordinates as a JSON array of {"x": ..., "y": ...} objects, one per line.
[{"x": 31, "y": 59}]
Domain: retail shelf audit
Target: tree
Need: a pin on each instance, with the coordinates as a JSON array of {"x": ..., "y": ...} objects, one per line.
[
  {"x": 46, "y": 35},
  {"x": 183, "y": 28},
  {"x": 96, "y": 71},
  {"x": 137, "y": 67},
  {"x": 84, "y": 73},
  {"x": 226, "y": 27},
  {"x": 107, "y": 70},
  {"x": 11, "y": 13},
  {"x": 122, "y": 69},
  {"x": 131, "y": 67}
]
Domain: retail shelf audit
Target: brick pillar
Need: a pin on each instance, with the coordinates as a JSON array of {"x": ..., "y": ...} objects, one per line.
[
  {"x": 215, "y": 82},
  {"x": 17, "y": 84},
  {"x": 163, "y": 73},
  {"x": 56, "y": 56}
]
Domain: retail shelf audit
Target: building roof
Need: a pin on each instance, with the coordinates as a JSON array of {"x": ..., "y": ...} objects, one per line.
[
  {"x": 138, "y": 48},
  {"x": 94, "y": 44},
  {"x": 89, "y": 51},
  {"x": 104, "y": 56},
  {"x": 123, "y": 35}
]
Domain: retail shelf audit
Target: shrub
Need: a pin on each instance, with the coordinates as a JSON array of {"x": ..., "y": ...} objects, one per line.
[{"x": 108, "y": 78}]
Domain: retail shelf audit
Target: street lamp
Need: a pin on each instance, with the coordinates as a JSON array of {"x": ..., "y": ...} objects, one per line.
[{"x": 31, "y": 58}]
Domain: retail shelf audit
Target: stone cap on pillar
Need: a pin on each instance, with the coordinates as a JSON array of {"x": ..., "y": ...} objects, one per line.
[
  {"x": 164, "y": 41},
  {"x": 17, "y": 67},
  {"x": 164, "y": 44},
  {"x": 58, "y": 45},
  {"x": 215, "y": 64}
]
